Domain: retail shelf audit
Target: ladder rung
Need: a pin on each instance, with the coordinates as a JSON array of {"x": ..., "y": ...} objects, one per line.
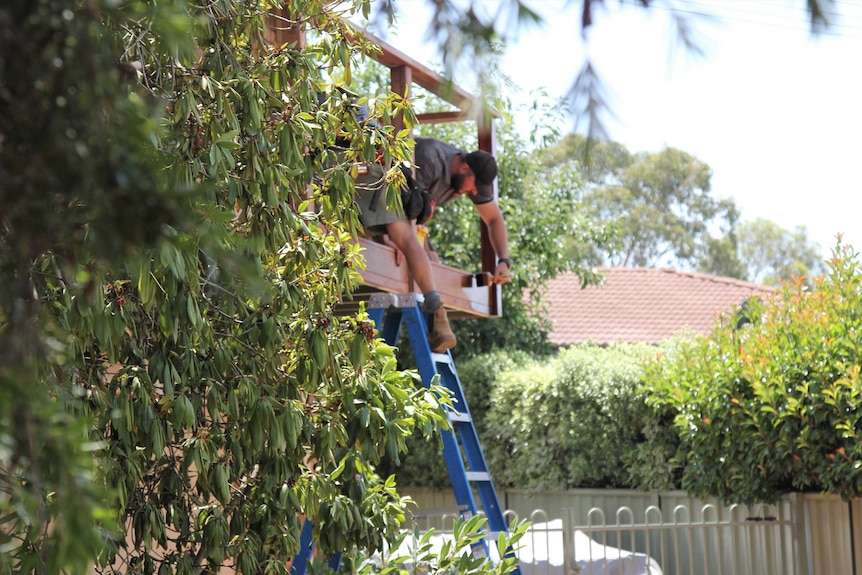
[
  {"x": 479, "y": 549},
  {"x": 457, "y": 416},
  {"x": 441, "y": 358},
  {"x": 478, "y": 476}
]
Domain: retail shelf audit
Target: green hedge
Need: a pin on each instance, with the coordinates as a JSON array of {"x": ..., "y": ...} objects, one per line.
[
  {"x": 774, "y": 405},
  {"x": 745, "y": 414},
  {"x": 578, "y": 420}
]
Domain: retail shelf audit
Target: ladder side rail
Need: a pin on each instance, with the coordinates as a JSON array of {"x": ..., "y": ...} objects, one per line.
[
  {"x": 427, "y": 370},
  {"x": 447, "y": 374},
  {"x": 473, "y": 452},
  {"x": 391, "y": 326},
  {"x": 416, "y": 328},
  {"x": 387, "y": 320},
  {"x": 376, "y": 315},
  {"x": 469, "y": 448},
  {"x": 306, "y": 553},
  {"x": 306, "y": 549},
  {"x": 419, "y": 341},
  {"x": 458, "y": 476},
  {"x": 461, "y": 445}
]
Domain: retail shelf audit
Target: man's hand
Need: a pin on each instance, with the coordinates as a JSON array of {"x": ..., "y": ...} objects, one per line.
[{"x": 502, "y": 274}]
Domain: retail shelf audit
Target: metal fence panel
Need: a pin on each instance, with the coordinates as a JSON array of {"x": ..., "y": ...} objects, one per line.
[
  {"x": 856, "y": 530},
  {"x": 554, "y": 503},
  {"x": 804, "y": 534},
  {"x": 733, "y": 539}
]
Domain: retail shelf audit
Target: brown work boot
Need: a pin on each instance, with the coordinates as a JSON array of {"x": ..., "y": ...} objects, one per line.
[{"x": 440, "y": 336}]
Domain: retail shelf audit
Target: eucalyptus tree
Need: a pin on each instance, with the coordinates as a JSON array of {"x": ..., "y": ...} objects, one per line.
[
  {"x": 659, "y": 206},
  {"x": 773, "y": 254}
]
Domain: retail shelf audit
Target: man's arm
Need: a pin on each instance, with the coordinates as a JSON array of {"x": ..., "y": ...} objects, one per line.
[{"x": 493, "y": 218}]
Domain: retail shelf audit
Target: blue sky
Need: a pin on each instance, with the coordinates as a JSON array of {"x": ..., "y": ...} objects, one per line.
[{"x": 774, "y": 111}]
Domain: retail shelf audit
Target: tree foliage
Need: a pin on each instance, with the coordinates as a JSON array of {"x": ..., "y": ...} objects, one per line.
[
  {"x": 660, "y": 208},
  {"x": 417, "y": 552},
  {"x": 659, "y": 203},
  {"x": 176, "y": 386},
  {"x": 80, "y": 185},
  {"x": 772, "y": 254},
  {"x": 467, "y": 38},
  {"x": 773, "y": 405},
  {"x": 578, "y": 420}
]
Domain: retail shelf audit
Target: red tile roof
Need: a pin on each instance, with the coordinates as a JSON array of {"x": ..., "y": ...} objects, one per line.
[{"x": 640, "y": 305}]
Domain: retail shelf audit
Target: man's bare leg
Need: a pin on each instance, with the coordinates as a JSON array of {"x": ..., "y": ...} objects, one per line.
[{"x": 403, "y": 235}]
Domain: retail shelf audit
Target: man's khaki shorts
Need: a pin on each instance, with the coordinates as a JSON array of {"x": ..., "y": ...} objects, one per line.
[{"x": 374, "y": 218}]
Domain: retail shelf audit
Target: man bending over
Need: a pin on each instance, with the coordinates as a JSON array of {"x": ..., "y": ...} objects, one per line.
[{"x": 445, "y": 173}]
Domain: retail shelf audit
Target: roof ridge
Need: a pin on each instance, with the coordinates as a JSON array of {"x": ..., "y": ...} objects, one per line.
[{"x": 694, "y": 275}]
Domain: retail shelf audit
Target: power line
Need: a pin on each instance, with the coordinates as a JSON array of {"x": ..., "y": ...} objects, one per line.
[
  {"x": 782, "y": 11},
  {"x": 787, "y": 16},
  {"x": 837, "y": 30}
]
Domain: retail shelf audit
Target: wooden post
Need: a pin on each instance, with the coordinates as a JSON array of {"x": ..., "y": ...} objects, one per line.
[
  {"x": 487, "y": 143},
  {"x": 280, "y": 30},
  {"x": 401, "y": 82}
]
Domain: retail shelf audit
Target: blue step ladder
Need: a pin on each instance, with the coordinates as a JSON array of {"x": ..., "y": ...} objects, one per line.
[{"x": 462, "y": 451}]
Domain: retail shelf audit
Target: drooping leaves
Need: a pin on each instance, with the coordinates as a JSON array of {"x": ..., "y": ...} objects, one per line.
[{"x": 177, "y": 381}]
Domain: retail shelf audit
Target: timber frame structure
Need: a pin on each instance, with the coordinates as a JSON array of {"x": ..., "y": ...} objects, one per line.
[{"x": 464, "y": 293}]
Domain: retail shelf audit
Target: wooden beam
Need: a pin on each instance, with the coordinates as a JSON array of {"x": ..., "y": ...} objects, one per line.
[
  {"x": 391, "y": 57},
  {"x": 459, "y": 293},
  {"x": 443, "y": 117}
]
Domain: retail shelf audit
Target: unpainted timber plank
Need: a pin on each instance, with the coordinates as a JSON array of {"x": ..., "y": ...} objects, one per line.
[
  {"x": 442, "y": 117},
  {"x": 458, "y": 292}
]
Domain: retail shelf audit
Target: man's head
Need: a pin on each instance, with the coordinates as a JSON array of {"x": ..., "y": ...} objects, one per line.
[
  {"x": 484, "y": 167},
  {"x": 475, "y": 174}
]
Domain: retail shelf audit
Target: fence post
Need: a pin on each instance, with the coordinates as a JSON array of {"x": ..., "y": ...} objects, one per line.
[
  {"x": 856, "y": 535},
  {"x": 801, "y": 539},
  {"x": 568, "y": 539}
]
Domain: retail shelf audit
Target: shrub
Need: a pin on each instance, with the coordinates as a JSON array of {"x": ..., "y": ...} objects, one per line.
[
  {"x": 776, "y": 404},
  {"x": 576, "y": 421},
  {"x": 417, "y": 553},
  {"x": 479, "y": 377}
]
